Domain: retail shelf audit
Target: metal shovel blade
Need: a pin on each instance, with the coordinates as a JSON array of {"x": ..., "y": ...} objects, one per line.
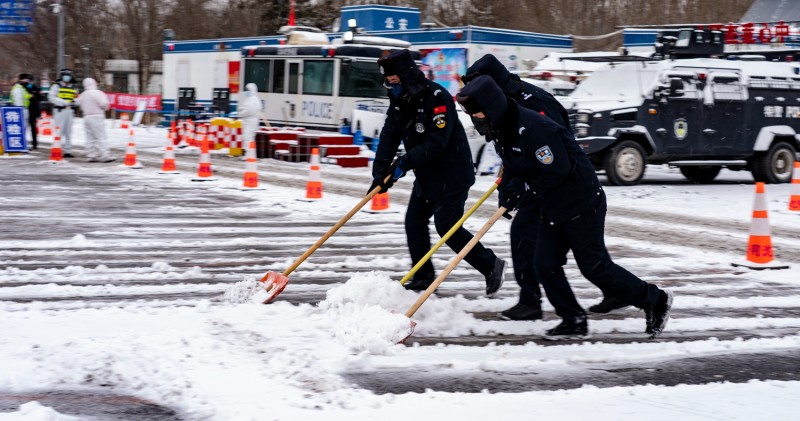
[
  {"x": 410, "y": 332},
  {"x": 274, "y": 283}
]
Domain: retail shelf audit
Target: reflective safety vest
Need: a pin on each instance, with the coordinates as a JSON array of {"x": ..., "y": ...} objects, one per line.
[
  {"x": 26, "y": 96},
  {"x": 67, "y": 94}
]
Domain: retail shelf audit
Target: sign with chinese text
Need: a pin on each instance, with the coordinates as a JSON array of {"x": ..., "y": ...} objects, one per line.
[
  {"x": 14, "y": 123},
  {"x": 130, "y": 102},
  {"x": 233, "y": 76},
  {"x": 16, "y": 16}
]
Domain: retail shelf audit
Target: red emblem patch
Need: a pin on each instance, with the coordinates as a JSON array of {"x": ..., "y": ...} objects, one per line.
[{"x": 440, "y": 109}]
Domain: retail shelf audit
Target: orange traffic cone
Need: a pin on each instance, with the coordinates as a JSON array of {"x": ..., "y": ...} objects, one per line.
[
  {"x": 314, "y": 185},
  {"x": 380, "y": 202},
  {"x": 56, "y": 154},
  {"x": 251, "y": 167},
  {"x": 794, "y": 190},
  {"x": 125, "y": 121},
  {"x": 204, "y": 167},
  {"x": 130, "y": 153},
  {"x": 169, "y": 167},
  {"x": 760, "y": 254},
  {"x": 44, "y": 125}
]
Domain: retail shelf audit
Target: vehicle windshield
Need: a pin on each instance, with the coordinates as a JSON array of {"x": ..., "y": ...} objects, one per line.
[{"x": 618, "y": 81}]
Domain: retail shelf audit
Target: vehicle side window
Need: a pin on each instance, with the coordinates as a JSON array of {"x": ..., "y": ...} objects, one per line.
[
  {"x": 257, "y": 71},
  {"x": 727, "y": 89},
  {"x": 294, "y": 77},
  {"x": 361, "y": 79},
  {"x": 278, "y": 76},
  {"x": 318, "y": 77}
]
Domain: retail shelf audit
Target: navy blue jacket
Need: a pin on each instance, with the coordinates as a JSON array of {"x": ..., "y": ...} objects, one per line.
[
  {"x": 435, "y": 142},
  {"x": 545, "y": 155}
]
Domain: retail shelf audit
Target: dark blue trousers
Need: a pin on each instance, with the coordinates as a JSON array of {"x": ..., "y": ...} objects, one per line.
[
  {"x": 584, "y": 235},
  {"x": 446, "y": 211},
  {"x": 524, "y": 234}
]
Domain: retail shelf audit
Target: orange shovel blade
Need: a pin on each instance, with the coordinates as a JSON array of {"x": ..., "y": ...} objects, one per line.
[{"x": 274, "y": 283}]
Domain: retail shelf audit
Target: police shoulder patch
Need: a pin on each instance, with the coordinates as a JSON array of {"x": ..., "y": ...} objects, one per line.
[
  {"x": 440, "y": 121},
  {"x": 544, "y": 155}
]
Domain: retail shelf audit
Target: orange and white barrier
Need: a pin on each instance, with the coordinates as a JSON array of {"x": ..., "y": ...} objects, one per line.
[
  {"x": 44, "y": 125},
  {"x": 794, "y": 189},
  {"x": 760, "y": 253},
  {"x": 314, "y": 184},
  {"x": 251, "y": 167},
  {"x": 131, "y": 161},
  {"x": 236, "y": 141}
]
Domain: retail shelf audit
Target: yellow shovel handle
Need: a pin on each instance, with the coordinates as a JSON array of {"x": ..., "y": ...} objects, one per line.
[{"x": 450, "y": 233}]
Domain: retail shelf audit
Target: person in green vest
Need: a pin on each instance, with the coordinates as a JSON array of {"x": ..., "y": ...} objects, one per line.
[
  {"x": 62, "y": 95},
  {"x": 20, "y": 95}
]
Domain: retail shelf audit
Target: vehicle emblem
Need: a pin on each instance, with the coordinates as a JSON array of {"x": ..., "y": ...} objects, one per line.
[
  {"x": 420, "y": 127},
  {"x": 544, "y": 155},
  {"x": 681, "y": 128}
]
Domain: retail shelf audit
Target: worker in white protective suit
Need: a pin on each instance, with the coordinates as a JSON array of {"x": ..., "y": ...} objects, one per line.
[
  {"x": 62, "y": 95},
  {"x": 250, "y": 111},
  {"x": 94, "y": 104}
]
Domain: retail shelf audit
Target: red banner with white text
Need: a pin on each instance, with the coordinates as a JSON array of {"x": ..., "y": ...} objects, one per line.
[{"x": 129, "y": 102}]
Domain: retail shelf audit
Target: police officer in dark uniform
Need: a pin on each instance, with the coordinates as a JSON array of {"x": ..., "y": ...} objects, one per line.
[
  {"x": 422, "y": 115},
  {"x": 525, "y": 223},
  {"x": 542, "y": 158}
]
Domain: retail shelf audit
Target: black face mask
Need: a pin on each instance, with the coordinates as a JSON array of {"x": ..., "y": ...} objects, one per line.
[{"x": 484, "y": 128}]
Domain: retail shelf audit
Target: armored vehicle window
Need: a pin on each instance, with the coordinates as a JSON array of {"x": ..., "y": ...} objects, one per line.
[
  {"x": 318, "y": 77},
  {"x": 727, "y": 88},
  {"x": 257, "y": 71}
]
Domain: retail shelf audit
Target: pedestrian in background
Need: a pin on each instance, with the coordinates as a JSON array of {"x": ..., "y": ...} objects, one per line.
[
  {"x": 62, "y": 95},
  {"x": 34, "y": 110},
  {"x": 21, "y": 96},
  {"x": 94, "y": 104},
  {"x": 422, "y": 115},
  {"x": 250, "y": 111},
  {"x": 543, "y": 158}
]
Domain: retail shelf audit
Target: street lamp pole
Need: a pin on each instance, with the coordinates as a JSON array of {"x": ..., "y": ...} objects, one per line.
[{"x": 58, "y": 9}]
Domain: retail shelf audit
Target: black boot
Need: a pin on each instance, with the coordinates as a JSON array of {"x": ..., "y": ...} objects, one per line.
[
  {"x": 658, "y": 315},
  {"x": 608, "y": 305},
  {"x": 494, "y": 280},
  {"x": 418, "y": 284},
  {"x": 576, "y": 328},
  {"x": 523, "y": 312}
]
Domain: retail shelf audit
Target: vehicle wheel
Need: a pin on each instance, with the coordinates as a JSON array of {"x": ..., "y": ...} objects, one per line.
[
  {"x": 624, "y": 164},
  {"x": 774, "y": 166},
  {"x": 701, "y": 175}
]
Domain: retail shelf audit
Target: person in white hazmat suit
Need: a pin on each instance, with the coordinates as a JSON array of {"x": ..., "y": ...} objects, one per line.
[
  {"x": 62, "y": 95},
  {"x": 250, "y": 111},
  {"x": 94, "y": 104}
]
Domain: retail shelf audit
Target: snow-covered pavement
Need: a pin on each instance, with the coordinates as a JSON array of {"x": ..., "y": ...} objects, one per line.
[{"x": 112, "y": 282}]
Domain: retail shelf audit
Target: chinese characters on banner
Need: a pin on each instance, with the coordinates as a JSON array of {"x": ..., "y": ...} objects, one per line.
[
  {"x": 445, "y": 66},
  {"x": 129, "y": 102},
  {"x": 14, "y": 123}
]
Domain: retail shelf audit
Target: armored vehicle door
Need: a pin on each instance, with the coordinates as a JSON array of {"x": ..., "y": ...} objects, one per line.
[
  {"x": 680, "y": 116},
  {"x": 724, "y": 118}
]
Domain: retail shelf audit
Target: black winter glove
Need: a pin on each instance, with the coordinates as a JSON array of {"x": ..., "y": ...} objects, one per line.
[
  {"x": 396, "y": 170},
  {"x": 511, "y": 192}
]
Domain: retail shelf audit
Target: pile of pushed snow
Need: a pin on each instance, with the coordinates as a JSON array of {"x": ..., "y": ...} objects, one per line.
[
  {"x": 249, "y": 290},
  {"x": 368, "y": 313}
]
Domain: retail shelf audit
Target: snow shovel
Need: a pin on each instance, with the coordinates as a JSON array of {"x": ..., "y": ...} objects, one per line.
[
  {"x": 453, "y": 263},
  {"x": 450, "y": 233},
  {"x": 275, "y": 282}
]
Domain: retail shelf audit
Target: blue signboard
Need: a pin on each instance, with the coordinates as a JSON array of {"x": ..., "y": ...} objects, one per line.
[
  {"x": 16, "y": 16},
  {"x": 375, "y": 17},
  {"x": 14, "y": 123}
]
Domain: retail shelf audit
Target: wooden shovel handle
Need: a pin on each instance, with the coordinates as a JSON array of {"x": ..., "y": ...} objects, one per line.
[{"x": 456, "y": 260}]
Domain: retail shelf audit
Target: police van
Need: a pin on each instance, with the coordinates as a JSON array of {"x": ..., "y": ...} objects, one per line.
[{"x": 699, "y": 115}]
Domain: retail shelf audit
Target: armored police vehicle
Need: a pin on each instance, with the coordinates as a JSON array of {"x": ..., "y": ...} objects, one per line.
[{"x": 699, "y": 115}]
